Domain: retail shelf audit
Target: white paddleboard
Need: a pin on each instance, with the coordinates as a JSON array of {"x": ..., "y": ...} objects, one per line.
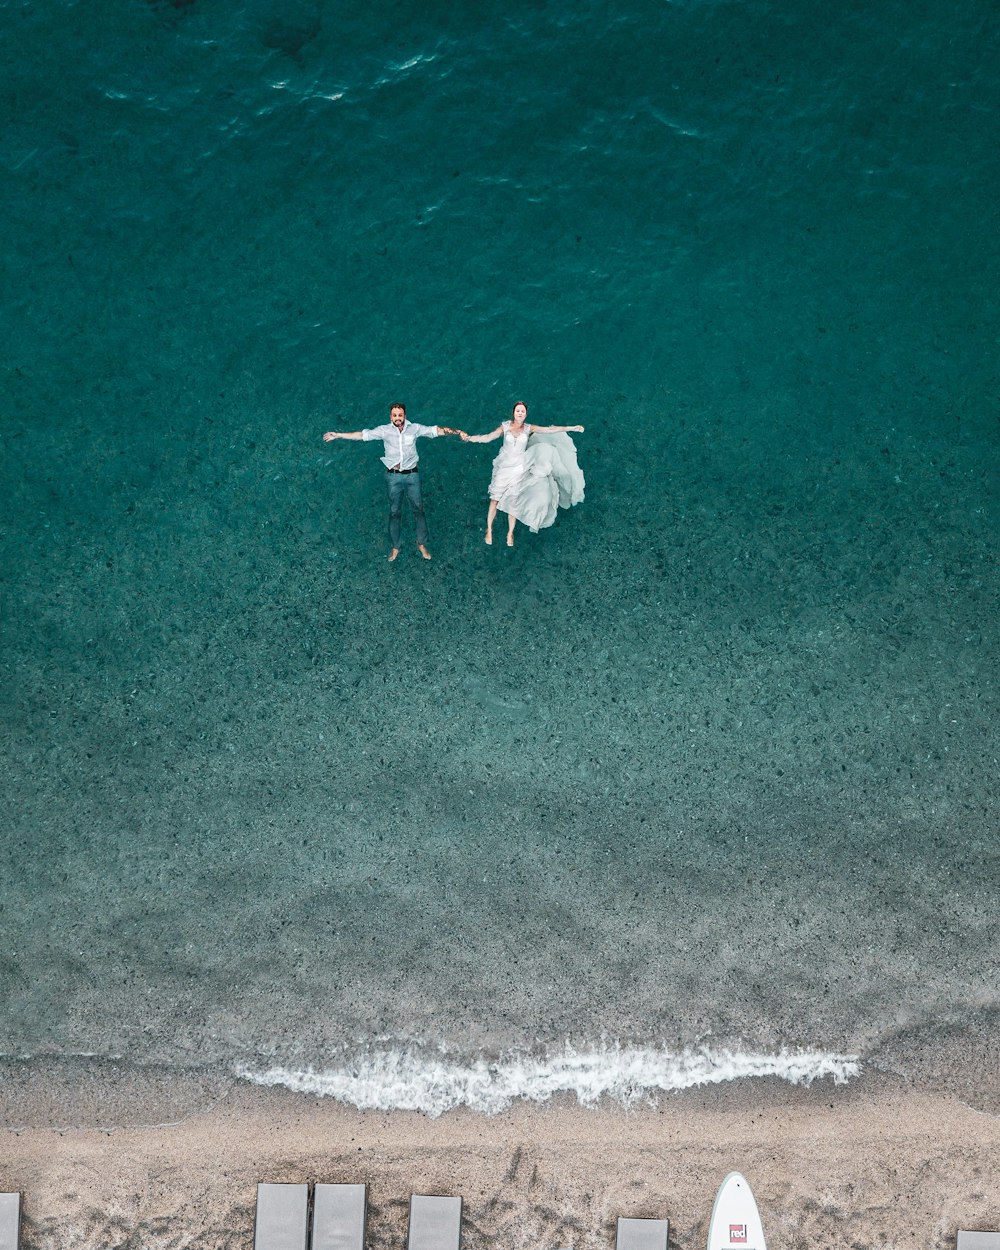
[{"x": 735, "y": 1223}]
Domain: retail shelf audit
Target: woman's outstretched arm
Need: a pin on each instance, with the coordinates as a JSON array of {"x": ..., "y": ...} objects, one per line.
[
  {"x": 483, "y": 438},
  {"x": 555, "y": 429}
]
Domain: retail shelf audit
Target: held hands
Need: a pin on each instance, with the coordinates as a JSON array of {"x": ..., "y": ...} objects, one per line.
[{"x": 330, "y": 435}]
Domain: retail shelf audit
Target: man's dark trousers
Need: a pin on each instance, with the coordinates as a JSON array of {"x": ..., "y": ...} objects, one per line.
[{"x": 407, "y": 484}]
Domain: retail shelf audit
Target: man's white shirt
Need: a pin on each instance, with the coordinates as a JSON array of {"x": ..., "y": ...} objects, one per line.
[{"x": 399, "y": 444}]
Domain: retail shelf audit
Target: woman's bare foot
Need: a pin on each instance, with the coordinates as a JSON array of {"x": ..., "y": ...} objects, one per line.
[
  {"x": 489, "y": 538},
  {"x": 510, "y": 540},
  {"x": 393, "y": 554},
  {"x": 423, "y": 551}
]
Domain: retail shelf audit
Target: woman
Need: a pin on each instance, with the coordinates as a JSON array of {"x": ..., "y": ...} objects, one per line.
[{"x": 534, "y": 475}]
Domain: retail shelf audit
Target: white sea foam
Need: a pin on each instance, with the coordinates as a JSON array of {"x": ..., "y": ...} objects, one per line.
[{"x": 419, "y": 1080}]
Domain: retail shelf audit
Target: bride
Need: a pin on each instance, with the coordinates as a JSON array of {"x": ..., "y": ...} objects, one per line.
[{"x": 534, "y": 475}]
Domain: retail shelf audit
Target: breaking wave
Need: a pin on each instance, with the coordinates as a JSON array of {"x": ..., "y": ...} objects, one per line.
[{"x": 414, "y": 1080}]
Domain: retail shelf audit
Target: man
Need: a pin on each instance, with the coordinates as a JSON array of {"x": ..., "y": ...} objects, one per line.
[{"x": 402, "y": 474}]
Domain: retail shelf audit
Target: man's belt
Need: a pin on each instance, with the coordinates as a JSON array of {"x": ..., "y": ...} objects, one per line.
[{"x": 413, "y": 470}]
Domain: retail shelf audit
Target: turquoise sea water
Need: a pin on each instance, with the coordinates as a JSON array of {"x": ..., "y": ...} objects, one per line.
[{"x": 711, "y": 763}]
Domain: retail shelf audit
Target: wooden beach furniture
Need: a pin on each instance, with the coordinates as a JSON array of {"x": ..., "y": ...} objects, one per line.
[
  {"x": 642, "y": 1234},
  {"x": 339, "y": 1216},
  {"x": 435, "y": 1223},
  {"x": 282, "y": 1221},
  {"x": 10, "y": 1221},
  {"x": 977, "y": 1241}
]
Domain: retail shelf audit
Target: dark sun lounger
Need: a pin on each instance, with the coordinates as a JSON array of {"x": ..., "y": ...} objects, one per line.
[
  {"x": 282, "y": 1217},
  {"x": 10, "y": 1221},
  {"x": 435, "y": 1223},
  {"x": 642, "y": 1235},
  {"x": 339, "y": 1213}
]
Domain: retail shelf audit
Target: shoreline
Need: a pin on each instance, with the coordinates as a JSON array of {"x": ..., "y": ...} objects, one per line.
[
  {"x": 869, "y": 1164},
  {"x": 949, "y": 1057}
]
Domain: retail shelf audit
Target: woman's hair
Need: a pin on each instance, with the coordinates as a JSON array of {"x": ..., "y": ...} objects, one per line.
[{"x": 520, "y": 404}]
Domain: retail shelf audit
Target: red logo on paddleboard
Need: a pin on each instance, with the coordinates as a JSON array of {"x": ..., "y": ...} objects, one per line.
[{"x": 738, "y": 1234}]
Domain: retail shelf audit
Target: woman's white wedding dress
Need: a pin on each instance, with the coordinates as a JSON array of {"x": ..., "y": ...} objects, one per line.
[{"x": 534, "y": 476}]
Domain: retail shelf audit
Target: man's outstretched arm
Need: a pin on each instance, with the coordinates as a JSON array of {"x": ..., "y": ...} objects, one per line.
[{"x": 330, "y": 435}]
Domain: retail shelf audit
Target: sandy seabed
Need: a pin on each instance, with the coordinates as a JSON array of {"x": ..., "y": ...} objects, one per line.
[{"x": 875, "y": 1165}]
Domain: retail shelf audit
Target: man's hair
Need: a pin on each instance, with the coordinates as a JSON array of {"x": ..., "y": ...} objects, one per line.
[{"x": 392, "y": 407}]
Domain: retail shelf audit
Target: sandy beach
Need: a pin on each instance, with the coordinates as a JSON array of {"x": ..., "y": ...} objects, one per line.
[{"x": 874, "y": 1165}]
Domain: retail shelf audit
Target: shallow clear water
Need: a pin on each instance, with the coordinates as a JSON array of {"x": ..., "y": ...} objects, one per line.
[{"x": 711, "y": 761}]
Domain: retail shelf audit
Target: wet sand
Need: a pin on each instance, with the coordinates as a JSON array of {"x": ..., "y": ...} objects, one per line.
[{"x": 874, "y": 1165}]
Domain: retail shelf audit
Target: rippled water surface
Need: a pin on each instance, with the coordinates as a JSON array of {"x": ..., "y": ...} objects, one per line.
[{"x": 710, "y": 762}]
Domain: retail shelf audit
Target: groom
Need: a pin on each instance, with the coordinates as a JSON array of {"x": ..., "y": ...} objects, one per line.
[{"x": 402, "y": 474}]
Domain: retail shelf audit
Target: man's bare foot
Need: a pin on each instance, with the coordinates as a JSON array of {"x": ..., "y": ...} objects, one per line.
[
  {"x": 510, "y": 540},
  {"x": 489, "y": 538},
  {"x": 393, "y": 554},
  {"x": 423, "y": 551}
]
